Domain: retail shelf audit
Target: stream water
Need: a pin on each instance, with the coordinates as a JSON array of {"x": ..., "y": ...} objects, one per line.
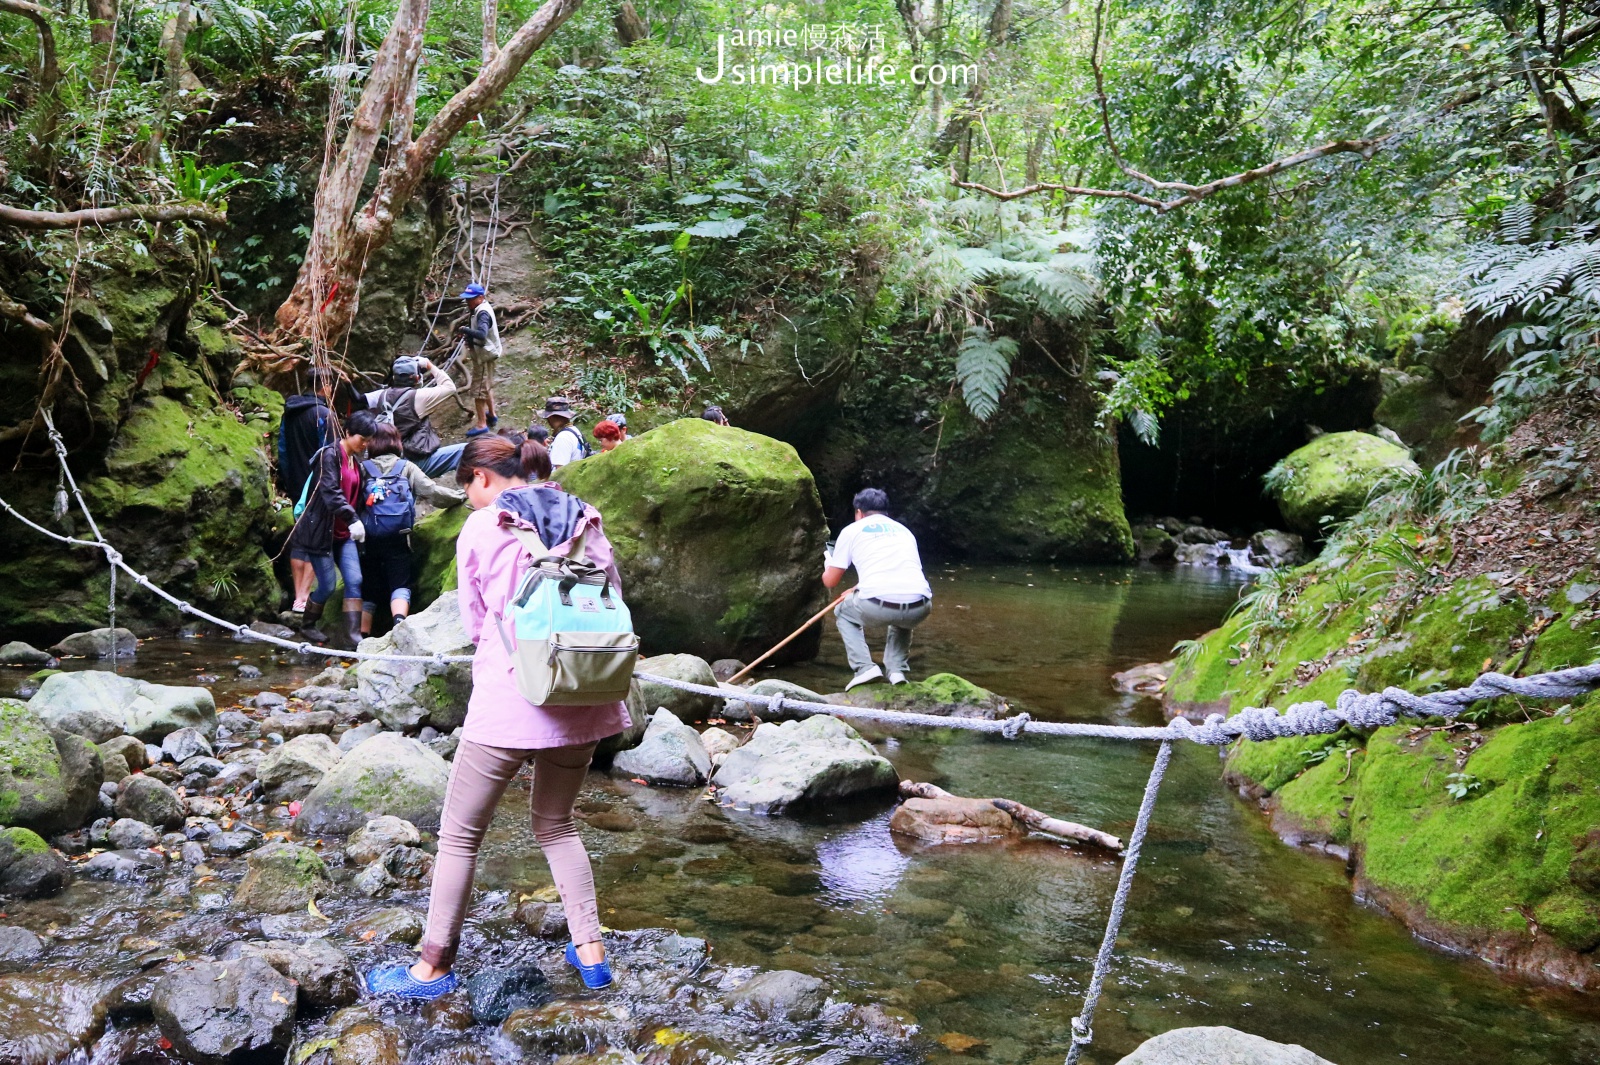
[{"x": 1226, "y": 924}]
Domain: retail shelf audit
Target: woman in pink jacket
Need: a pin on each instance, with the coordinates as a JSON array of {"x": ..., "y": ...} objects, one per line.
[{"x": 503, "y": 730}]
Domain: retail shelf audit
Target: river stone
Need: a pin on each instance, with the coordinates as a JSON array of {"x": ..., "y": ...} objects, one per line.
[
  {"x": 1272, "y": 548},
  {"x": 671, "y": 753},
  {"x": 29, "y": 869},
  {"x": 268, "y": 700},
  {"x": 367, "y": 1044},
  {"x": 183, "y": 744},
  {"x": 146, "y": 799},
  {"x": 567, "y": 1027},
  {"x": 1153, "y": 544},
  {"x": 233, "y": 1011},
  {"x": 142, "y": 864},
  {"x": 393, "y": 925},
  {"x": 1334, "y": 476},
  {"x": 17, "y": 653},
  {"x": 953, "y": 820},
  {"x": 49, "y": 779},
  {"x": 48, "y": 1015},
  {"x": 282, "y": 877},
  {"x": 19, "y": 948},
  {"x": 717, "y": 533},
  {"x": 291, "y": 771},
  {"x": 766, "y": 688},
  {"x": 388, "y": 774},
  {"x": 126, "y": 834},
  {"x": 374, "y": 881},
  {"x": 802, "y": 762},
  {"x": 628, "y": 738},
  {"x": 325, "y": 975},
  {"x": 944, "y": 694},
  {"x": 229, "y": 844},
  {"x": 301, "y": 723},
  {"x": 96, "y": 643},
  {"x": 689, "y": 707},
  {"x": 369, "y": 842},
  {"x": 130, "y": 748},
  {"x": 784, "y": 995},
  {"x": 408, "y": 695},
  {"x": 726, "y": 668},
  {"x": 497, "y": 993},
  {"x": 1217, "y": 1045},
  {"x": 98, "y": 705},
  {"x": 718, "y": 742},
  {"x": 352, "y": 738}
]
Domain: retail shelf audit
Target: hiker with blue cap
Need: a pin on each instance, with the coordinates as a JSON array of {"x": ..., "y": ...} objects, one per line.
[
  {"x": 481, "y": 334},
  {"x": 406, "y": 405}
]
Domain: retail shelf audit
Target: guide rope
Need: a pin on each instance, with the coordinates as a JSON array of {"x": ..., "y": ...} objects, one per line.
[{"x": 1355, "y": 709}]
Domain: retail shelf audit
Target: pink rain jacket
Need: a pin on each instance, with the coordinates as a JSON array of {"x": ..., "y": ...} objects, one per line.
[{"x": 489, "y": 564}]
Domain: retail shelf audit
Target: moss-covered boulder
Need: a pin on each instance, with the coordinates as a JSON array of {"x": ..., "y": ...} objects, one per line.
[
  {"x": 48, "y": 783},
  {"x": 29, "y": 869},
  {"x": 433, "y": 547},
  {"x": 718, "y": 534},
  {"x": 785, "y": 383},
  {"x": 386, "y": 774},
  {"x": 408, "y": 695},
  {"x": 1334, "y": 476},
  {"x": 282, "y": 877},
  {"x": 944, "y": 694}
]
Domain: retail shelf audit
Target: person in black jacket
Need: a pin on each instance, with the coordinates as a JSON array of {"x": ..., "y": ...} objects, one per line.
[
  {"x": 307, "y": 427},
  {"x": 328, "y": 530}
]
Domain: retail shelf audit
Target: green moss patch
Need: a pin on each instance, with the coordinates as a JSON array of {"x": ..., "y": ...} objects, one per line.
[{"x": 1334, "y": 476}]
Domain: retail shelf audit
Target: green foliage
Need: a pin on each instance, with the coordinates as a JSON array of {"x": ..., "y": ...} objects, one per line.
[{"x": 983, "y": 364}]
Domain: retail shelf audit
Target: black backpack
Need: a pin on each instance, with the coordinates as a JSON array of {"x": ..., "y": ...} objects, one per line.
[{"x": 584, "y": 450}]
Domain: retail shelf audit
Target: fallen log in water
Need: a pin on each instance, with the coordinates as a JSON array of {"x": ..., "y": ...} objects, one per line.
[{"x": 1023, "y": 815}]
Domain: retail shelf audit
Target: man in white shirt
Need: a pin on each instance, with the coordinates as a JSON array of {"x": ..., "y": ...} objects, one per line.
[
  {"x": 407, "y": 405},
  {"x": 567, "y": 444},
  {"x": 891, "y": 590}
]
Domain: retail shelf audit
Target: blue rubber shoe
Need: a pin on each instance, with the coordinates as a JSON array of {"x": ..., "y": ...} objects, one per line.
[
  {"x": 396, "y": 981},
  {"x": 594, "y": 976},
  {"x": 475, "y": 432},
  {"x": 491, "y": 420}
]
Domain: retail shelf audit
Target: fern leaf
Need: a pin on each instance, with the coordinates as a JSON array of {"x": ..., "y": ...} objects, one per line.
[{"x": 983, "y": 367}]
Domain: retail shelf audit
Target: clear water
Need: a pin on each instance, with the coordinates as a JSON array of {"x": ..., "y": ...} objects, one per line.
[{"x": 1226, "y": 926}]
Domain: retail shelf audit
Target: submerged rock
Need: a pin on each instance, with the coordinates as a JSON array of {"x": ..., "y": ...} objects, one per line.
[
  {"x": 142, "y": 864},
  {"x": 19, "y": 948},
  {"x": 393, "y": 925},
  {"x": 292, "y": 770},
  {"x": 1147, "y": 679},
  {"x": 568, "y": 1027},
  {"x": 98, "y": 705},
  {"x": 1217, "y": 1045},
  {"x": 784, "y": 995},
  {"x": 48, "y": 782},
  {"x": 1334, "y": 476},
  {"x": 282, "y": 877},
  {"x": 803, "y": 762},
  {"x": 48, "y": 1015},
  {"x": 497, "y": 993},
  {"x": 408, "y": 695},
  {"x": 388, "y": 774},
  {"x": 29, "y": 869},
  {"x": 671, "y": 753},
  {"x": 219, "y": 1012},
  {"x": 97, "y": 643},
  {"x": 717, "y": 534},
  {"x": 688, "y": 706}
]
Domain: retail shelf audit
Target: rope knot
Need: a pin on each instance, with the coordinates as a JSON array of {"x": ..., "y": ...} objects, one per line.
[
  {"x": 1082, "y": 1034},
  {"x": 1012, "y": 727},
  {"x": 304, "y": 648},
  {"x": 775, "y": 704},
  {"x": 113, "y": 556}
]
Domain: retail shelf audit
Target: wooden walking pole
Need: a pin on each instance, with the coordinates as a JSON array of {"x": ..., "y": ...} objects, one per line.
[{"x": 818, "y": 616}]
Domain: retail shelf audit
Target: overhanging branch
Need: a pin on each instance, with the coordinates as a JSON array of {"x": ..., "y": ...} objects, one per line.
[
  {"x": 49, "y": 69},
  {"x": 104, "y": 216}
]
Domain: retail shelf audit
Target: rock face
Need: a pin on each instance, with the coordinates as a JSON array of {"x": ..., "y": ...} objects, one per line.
[
  {"x": 718, "y": 533},
  {"x": 1333, "y": 476},
  {"x": 671, "y": 753},
  {"x": 944, "y": 694},
  {"x": 98, "y": 705},
  {"x": 29, "y": 869},
  {"x": 953, "y": 820},
  {"x": 48, "y": 783},
  {"x": 803, "y": 762},
  {"x": 387, "y": 774},
  {"x": 98, "y": 643},
  {"x": 688, "y": 706},
  {"x": 784, "y": 995},
  {"x": 408, "y": 695},
  {"x": 292, "y": 770},
  {"x": 282, "y": 877},
  {"x": 221, "y": 1012},
  {"x": 1218, "y": 1046}
]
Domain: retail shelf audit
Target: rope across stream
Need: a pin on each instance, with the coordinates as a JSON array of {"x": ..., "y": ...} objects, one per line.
[{"x": 1357, "y": 710}]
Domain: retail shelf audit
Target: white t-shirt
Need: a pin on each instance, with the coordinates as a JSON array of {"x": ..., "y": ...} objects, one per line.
[
  {"x": 885, "y": 556},
  {"x": 564, "y": 447}
]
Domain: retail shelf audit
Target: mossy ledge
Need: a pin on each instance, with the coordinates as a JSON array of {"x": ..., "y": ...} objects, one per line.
[{"x": 1483, "y": 837}]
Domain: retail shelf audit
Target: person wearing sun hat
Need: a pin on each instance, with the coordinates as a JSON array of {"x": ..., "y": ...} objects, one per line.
[
  {"x": 481, "y": 334},
  {"x": 566, "y": 442}
]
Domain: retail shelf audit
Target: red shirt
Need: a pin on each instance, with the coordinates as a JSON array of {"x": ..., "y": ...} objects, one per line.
[{"x": 350, "y": 485}]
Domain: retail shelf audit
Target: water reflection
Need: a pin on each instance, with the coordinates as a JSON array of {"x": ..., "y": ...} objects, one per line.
[{"x": 861, "y": 864}]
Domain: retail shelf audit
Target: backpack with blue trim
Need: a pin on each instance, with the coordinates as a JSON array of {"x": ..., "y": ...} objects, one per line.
[
  {"x": 568, "y": 632},
  {"x": 389, "y": 508}
]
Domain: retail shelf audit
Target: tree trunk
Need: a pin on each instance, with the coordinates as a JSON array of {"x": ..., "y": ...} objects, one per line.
[
  {"x": 1036, "y": 147},
  {"x": 491, "y": 30},
  {"x": 102, "y": 36},
  {"x": 341, "y": 243},
  {"x": 173, "y": 38},
  {"x": 631, "y": 26},
  {"x": 956, "y": 130}
]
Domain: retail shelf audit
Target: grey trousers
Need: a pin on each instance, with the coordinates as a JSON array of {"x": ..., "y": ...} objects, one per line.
[{"x": 854, "y": 615}]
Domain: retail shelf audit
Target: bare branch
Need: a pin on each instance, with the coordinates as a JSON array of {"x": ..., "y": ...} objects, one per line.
[
  {"x": 49, "y": 69},
  {"x": 104, "y": 216},
  {"x": 15, "y": 311}
]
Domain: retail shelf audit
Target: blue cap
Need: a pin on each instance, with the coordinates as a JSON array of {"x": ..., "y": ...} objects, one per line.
[{"x": 472, "y": 291}]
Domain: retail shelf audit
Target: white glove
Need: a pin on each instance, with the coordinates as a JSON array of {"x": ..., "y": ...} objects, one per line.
[{"x": 358, "y": 532}]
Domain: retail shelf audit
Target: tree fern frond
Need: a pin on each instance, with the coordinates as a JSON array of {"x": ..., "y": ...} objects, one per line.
[{"x": 983, "y": 367}]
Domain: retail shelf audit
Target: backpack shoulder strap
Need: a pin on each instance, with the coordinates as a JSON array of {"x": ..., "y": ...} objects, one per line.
[{"x": 530, "y": 540}]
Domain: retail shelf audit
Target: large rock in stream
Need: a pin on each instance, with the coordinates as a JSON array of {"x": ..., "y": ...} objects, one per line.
[
  {"x": 671, "y": 753},
  {"x": 49, "y": 782},
  {"x": 1334, "y": 476},
  {"x": 803, "y": 763},
  {"x": 718, "y": 535},
  {"x": 48, "y": 1015},
  {"x": 387, "y": 774},
  {"x": 408, "y": 695},
  {"x": 1218, "y": 1045},
  {"x": 99, "y": 705},
  {"x": 217, "y": 1013}
]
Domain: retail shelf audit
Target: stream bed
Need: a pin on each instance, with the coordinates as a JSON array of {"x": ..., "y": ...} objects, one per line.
[{"x": 988, "y": 947}]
